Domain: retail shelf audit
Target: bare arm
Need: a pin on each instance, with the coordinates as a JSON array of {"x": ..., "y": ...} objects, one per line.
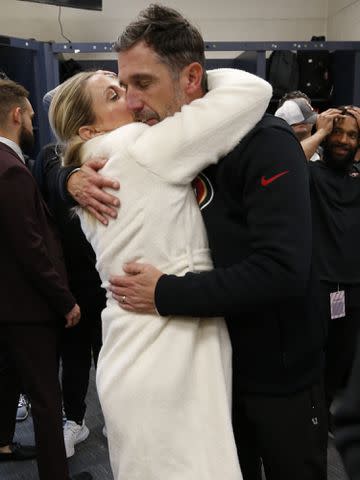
[{"x": 311, "y": 144}]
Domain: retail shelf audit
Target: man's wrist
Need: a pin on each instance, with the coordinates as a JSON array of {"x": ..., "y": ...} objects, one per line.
[
  {"x": 64, "y": 175},
  {"x": 71, "y": 173},
  {"x": 158, "y": 295},
  {"x": 323, "y": 133}
]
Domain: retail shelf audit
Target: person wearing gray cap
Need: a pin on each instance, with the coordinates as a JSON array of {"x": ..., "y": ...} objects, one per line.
[{"x": 298, "y": 113}]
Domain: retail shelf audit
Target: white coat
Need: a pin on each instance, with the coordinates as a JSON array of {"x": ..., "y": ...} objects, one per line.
[{"x": 165, "y": 383}]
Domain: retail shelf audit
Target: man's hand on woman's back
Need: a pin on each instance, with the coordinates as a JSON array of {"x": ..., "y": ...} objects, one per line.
[{"x": 86, "y": 187}]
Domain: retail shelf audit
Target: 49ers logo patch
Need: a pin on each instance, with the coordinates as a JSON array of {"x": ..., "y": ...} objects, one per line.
[{"x": 203, "y": 190}]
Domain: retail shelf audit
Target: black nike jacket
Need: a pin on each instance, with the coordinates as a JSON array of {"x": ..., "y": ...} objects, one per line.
[{"x": 256, "y": 208}]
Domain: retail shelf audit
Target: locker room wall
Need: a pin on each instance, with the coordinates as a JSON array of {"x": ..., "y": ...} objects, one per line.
[
  {"x": 229, "y": 20},
  {"x": 343, "y": 20}
]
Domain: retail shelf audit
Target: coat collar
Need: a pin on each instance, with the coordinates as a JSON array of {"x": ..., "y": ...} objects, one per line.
[{"x": 11, "y": 147}]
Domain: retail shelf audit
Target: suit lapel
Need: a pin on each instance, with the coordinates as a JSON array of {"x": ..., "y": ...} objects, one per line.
[{"x": 9, "y": 150}]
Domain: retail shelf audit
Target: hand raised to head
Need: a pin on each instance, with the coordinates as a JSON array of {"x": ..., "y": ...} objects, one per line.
[
  {"x": 355, "y": 111},
  {"x": 325, "y": 120}
]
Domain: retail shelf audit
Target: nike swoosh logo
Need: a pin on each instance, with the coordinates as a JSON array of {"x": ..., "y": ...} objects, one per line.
[{"x": 266, "y": 181}]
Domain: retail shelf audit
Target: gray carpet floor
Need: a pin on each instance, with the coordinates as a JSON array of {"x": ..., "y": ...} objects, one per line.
[{"x": 92, "y": 454}]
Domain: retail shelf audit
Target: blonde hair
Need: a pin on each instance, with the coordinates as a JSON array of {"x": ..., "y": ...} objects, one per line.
[{"x": 70, "y": 109}]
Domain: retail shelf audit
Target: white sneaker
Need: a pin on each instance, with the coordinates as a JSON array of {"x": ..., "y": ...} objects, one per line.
[{"x": 73, "y": 434}]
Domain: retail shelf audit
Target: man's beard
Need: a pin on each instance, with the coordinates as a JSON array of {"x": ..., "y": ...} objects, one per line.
[
  {"x": 335, "y": 162},
  {"x": 146, "y": 115},
  {"x": 26, "y": 140},
  {"x": 168, "y": 110}
]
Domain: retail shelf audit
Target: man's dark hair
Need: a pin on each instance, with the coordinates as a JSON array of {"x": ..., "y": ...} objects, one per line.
[
  {"x": 173, "y": 38},
  {"x": 344, "y": 109},
  {"x": 11, "y": 94},
  {"x": 292, "y": 95}
]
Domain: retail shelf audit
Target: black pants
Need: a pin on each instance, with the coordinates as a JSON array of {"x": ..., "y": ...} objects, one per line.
[
  {"x": 80, "y": 345},
  {"x": 29, "y": 359},
  {"x": 288, "y": 435},
  {"x": 341, "y": 338}
]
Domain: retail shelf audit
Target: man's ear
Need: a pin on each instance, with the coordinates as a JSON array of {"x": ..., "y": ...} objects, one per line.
[
  {"x": 87, "y": 132},
  {"x": 191, "y": 77},
  {"x": 16, "y": 115}
]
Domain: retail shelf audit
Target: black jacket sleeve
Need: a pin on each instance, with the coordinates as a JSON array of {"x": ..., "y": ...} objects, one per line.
[
  {"x": 274, "y": 266},
  {"x": 60, "y": 184},
  {"x": 50, "y": 178},
  {"x": 347, "y": 422}
]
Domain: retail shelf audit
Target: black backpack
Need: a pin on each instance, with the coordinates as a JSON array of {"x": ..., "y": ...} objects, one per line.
[
  {"x": 283, "y": 72},
  {"x": 315, "y": 73}
]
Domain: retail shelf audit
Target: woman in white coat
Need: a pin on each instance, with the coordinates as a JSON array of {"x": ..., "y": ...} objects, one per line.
[{"x": 164, "y": 383}]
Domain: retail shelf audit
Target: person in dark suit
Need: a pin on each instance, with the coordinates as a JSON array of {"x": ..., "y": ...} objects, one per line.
[
  {"x": 34, "y": 295},
  {"x": 347, "y": 421}
]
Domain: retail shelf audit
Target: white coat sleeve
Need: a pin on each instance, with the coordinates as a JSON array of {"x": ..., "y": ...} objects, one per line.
[{"x": 205, "y": 130}]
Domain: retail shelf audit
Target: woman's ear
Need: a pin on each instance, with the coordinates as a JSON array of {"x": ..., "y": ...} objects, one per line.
[{"x": 87, "y": 132}]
